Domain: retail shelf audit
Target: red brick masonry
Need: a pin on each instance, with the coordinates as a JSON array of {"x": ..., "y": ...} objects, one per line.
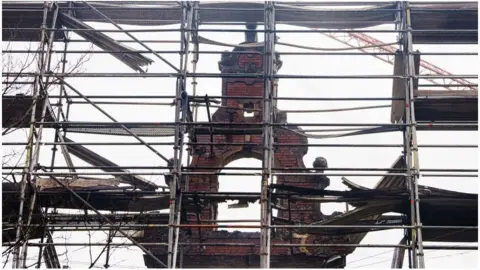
[{"x": 288, "y": 157}]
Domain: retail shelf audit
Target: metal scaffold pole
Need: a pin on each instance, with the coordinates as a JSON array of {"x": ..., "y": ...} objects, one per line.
[
  {"x": 60, "y": 111},
  {"x": 195, "y": 58},
  {"x": 19, "y": 259},
  {"x": 399, "y": 26},
  {"x": 406, "y": 140},
  {"x": 181, "y": 116},
  {"x": 158, "y": 219},
  {"x": 413, "y": 136},
  {"x": 51, "y": 259},
  {"x": 410, "y": 139},
  {"x": 269, "y": 69}
]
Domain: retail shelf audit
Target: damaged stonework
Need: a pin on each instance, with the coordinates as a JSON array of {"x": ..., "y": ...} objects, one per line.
[
  {"x": 223, "y": 249},
  {"x": 246, "y": 110},
  {"x": 210, "y": 248}
]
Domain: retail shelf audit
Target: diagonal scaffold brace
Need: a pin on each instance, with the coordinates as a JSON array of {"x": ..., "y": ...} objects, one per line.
[
  {"x": 109, "y": 222},
  {"x": 131, "y": 36},
  {"x": 114, "y": 120}
]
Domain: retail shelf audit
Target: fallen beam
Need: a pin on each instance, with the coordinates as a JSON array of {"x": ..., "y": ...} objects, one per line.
[{"x": 97, "y": 160}]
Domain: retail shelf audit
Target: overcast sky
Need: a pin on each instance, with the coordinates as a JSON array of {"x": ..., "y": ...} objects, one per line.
[{"x": 337, "y": 157}]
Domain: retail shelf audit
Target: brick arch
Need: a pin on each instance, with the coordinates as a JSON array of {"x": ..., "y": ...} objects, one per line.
[
  {"x": 284, "y": 157},
  {"x": 253, "y": 180},
  {"x": 243, "y": 96},
  {"x": 238, "y": 154},
  {"x": 210, "y": 181},
  {"x": 241, "y": 92}
]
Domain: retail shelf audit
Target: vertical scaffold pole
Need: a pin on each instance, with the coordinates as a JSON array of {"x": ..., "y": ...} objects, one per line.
[
  {"x": 410, "y": 139},
  {"x": 268, "y": 60},
  {"x": 195, "y": 57},
  {"x": 273, "y": 107},
  {"x": 399, "y": 27},
  {"x": 413, "y": 136},
  {"x": 43, "y": 92},
  {"x": 52, "y": 259},
  {"x": 184, "y": 118},
  {"x": 20, "y": 261},
  {"x": 173, "y": 185},
  {"x": 181, "y": 116},
  {"x": 177, "y": 232},
  {"x": 61, "y": 114},
  {"x": 406, "y": 135}
]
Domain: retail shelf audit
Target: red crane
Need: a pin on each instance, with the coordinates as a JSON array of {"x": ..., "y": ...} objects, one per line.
[{"x": 367, "y": 43}]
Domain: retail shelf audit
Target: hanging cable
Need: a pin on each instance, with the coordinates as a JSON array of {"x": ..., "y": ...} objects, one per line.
[
  {"x": 260, "y": 44},
  {"x": 334, "y": 49},
  {"x": 338, "y": 110},
  {"x": 334, "y": 130},
  {"x": 208, "y": 41},
  {"x": 456, "y": 254},
  {"x": 388, "y": 251},
  {"x": 359, "y": 132}
]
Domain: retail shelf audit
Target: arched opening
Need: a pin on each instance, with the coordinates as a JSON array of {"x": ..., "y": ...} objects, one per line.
[{"x": 238, "y": 210}]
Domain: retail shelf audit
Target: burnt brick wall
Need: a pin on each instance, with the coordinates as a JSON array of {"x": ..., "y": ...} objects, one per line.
[
  {"x": 238, "y": 256},
  {"x": 243, "y": 261},
  {"x": 241, "y": 250},
  {"x": 285, "y": 157}
]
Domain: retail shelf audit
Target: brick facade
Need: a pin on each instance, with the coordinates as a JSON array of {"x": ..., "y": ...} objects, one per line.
[{"x": 285, "y": 157}]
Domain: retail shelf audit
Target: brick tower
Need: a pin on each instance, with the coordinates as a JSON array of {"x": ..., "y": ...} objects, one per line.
[{"x": 239, "y": 110}]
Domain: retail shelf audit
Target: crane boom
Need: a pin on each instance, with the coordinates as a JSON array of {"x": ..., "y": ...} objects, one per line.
[{"x": 369, "y": 44}]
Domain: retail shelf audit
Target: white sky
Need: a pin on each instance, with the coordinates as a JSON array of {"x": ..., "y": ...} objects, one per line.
[{"x": 337, "y": 157}]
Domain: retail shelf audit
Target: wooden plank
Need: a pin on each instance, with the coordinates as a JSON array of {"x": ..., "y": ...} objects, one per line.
[
  {"x": 445, "y": 93},
  {"x": 95, "y": 159},
  {"x": 80, "y": 183}
]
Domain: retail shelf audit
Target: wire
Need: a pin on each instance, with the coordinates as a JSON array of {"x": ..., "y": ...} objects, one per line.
[
  {"x": 260, "y": 44},
  {"x": 116, "y": 265},
  {"x": 334, "y": 49},
  {"x": 372, "y": 263},
  {"x": 326, "y": 136},
  {"x": 338, "y": 110},
  {"x": 388, "y": 251},
  {"x": 371, "y": 256},
  {"x": 450, "y": 255},
  {"x": 334, "y": 130},
  {"x": 6, "y": 260}
]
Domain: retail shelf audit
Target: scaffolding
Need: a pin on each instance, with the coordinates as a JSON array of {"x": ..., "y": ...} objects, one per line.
[{"x": 41, "y": 188}]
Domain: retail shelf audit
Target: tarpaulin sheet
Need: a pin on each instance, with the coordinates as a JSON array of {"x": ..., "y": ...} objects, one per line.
[{"x": 425, "y": 17}]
